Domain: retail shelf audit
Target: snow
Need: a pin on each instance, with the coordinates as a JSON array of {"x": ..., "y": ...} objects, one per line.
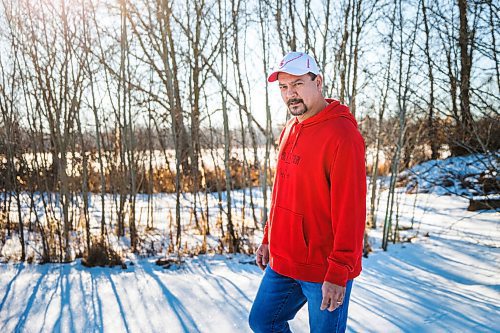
[
  {"x": 162, "y": 218},
  {"x": 441, "y": 277},
  {"x": 455, "y": 175},
  {"x": 447, "y": 282}
]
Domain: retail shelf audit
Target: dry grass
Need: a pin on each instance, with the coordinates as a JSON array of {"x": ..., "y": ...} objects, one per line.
[{"x": 161, "y": 180}]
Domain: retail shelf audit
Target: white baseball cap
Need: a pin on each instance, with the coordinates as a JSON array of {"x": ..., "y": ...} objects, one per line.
[{"x": 295, "y": 63}]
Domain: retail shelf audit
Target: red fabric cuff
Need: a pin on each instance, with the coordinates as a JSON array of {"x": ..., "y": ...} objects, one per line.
[
  {"x": 337, "y": 274},
  {"x": 265, "y": 239}
]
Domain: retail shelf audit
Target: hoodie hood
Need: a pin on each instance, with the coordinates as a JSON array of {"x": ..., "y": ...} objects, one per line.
[{"x": 333, "y": 110}]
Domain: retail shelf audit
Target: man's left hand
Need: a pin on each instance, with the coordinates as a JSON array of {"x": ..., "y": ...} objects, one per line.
[{"x": 333, "y": 296}]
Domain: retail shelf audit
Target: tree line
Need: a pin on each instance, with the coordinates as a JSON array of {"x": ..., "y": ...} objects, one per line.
[{"x": 93, "y": 93}]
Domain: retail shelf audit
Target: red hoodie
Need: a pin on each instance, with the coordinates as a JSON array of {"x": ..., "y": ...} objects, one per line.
[{"x": 317, "y": 218}]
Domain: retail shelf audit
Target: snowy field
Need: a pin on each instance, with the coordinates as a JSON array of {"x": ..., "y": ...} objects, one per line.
[{"x": 445, "y": 280}]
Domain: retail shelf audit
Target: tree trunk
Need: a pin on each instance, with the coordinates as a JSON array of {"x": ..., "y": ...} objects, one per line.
[
  {"x": 232, "y": 240},
  {"x": 432, "y": 139},
  {"x": 465, "y": 70}
]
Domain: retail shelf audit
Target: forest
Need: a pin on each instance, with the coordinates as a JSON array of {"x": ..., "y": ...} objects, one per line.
[{"x": 108, "y": 106}]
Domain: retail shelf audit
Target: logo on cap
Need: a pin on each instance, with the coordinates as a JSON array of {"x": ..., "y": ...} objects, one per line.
[{"x": 283, "y": 63}]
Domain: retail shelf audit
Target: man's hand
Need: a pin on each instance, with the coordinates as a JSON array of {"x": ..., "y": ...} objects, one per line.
[
  {"x": 262, "y": 256},
  {"x": 333, "y": 296}
]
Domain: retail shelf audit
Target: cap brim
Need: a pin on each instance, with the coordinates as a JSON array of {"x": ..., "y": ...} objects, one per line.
[{"x": 273, "y": 77}]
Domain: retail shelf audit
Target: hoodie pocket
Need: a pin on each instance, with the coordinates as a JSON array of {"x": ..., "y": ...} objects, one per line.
[{"x": 287, "y": 235}]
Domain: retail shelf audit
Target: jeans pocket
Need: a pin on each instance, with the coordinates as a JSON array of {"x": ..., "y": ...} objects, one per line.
[{"x": 287, "y": 235}]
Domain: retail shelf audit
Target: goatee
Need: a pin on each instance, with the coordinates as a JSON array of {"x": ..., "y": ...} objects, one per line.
[{"x": 296, "y": 112}]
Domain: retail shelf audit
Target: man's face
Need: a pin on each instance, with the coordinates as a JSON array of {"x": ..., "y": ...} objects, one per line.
[{"x": 299, "y": 93}]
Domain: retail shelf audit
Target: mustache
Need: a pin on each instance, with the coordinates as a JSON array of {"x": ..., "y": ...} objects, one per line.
[{"x": 294, "y": 100}]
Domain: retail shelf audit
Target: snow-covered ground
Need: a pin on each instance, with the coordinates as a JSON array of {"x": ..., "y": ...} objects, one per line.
[
  {"x": 443, "y": 277},
  {"x": 445, "y": 280}
]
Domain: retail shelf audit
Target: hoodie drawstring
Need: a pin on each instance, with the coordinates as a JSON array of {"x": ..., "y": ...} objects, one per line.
[{"x": 296, "y": 137}]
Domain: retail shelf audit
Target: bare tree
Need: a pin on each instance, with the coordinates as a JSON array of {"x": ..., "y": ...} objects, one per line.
[
  {"x": 371, "y": 218},
  {"x": 431, "y": 127},
  {"x": 9, "y": 133},
  {"x": 402, "y": 100},
  {"x": 264, "y": 28},
  {"x": 233, "y": 241}
]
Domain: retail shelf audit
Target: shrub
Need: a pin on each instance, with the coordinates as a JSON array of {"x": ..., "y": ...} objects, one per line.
[{"x": 100, "y": 254}]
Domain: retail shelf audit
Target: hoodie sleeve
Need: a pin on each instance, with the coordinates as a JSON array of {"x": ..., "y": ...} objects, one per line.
[{"x": 348, "y": 207}]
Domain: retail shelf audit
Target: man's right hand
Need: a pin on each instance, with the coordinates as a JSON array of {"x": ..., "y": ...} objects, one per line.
[{"x": 262, "y": 256}]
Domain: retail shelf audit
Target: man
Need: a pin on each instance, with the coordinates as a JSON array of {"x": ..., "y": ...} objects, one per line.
[{"x": 313, "y": 239}]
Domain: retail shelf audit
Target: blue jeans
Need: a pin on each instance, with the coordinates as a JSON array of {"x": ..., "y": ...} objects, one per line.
[{"x": 280, "y": 298}]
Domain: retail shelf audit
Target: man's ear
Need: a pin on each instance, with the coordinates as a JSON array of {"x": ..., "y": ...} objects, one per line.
[{"x": 319, "y": 82}]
